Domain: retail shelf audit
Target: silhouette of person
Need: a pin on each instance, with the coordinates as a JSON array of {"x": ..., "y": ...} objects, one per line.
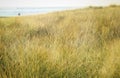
[{"x": 19, "y": 14}]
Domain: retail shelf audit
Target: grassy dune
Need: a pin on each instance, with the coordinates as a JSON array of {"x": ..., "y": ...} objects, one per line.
[{"x": 82, "y": 43}]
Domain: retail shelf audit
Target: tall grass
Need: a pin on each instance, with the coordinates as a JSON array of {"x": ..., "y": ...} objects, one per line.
[{"x": 70, "y": 44}]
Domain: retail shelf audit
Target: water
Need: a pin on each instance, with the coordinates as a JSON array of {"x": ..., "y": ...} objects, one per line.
[{"x": 6, "y": 12}]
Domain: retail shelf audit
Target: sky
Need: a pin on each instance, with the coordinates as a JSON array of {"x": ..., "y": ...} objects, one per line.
[{"x": 56, "y": 3}]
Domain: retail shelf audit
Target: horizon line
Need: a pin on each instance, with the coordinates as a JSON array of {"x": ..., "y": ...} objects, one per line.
[{"x": 57, "y": 6}]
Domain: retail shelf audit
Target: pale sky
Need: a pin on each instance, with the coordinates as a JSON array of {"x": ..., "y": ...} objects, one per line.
[{"x": 56, "y": 3}]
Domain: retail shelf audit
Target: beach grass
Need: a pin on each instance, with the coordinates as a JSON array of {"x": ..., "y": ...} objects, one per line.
[{"x": 82, "y": 43}]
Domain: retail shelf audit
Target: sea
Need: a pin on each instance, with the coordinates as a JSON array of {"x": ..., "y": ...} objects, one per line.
[{"x": 8, "y": 12}]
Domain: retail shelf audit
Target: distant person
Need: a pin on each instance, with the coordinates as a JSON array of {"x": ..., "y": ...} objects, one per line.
[{"x": 19, "y": 14}]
